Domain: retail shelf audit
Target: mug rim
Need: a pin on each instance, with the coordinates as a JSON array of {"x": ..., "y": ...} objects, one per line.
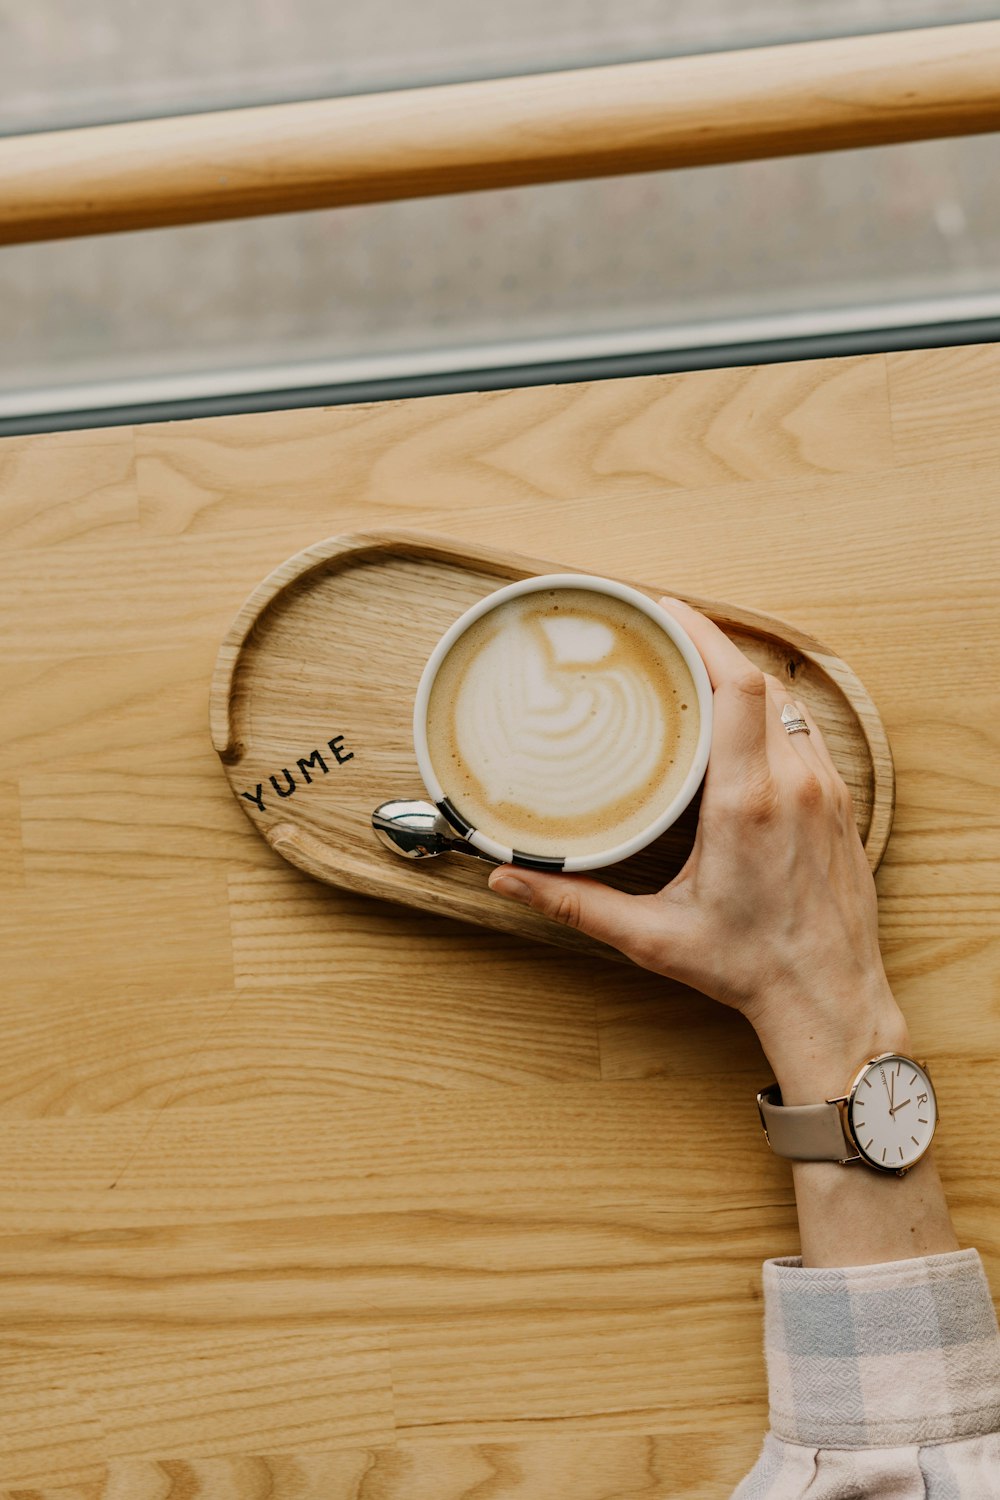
[{"x": 503, "y": 853}]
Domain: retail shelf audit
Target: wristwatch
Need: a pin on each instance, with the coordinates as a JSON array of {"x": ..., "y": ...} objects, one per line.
[{"x": 886, "y": 1119}]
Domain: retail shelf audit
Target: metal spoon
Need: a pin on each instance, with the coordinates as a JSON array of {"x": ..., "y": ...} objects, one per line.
[{"x": 416, "y": 830}]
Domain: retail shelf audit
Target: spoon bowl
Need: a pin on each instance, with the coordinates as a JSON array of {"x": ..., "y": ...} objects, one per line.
[{"x": 417, "y": 830}]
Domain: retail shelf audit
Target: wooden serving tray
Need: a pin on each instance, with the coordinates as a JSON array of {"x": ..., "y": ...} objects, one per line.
[{"x": 312, "y": 702}]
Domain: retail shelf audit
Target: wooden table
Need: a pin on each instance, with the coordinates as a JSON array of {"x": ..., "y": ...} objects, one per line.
[{"x": 296, "y": 1187}]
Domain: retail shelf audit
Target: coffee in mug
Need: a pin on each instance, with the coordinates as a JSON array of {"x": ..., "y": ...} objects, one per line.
[{"x": 563, "y": 722}]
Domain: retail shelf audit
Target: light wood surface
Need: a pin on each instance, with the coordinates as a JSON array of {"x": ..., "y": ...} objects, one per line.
[
  {"x": 311, "y": 1195},
  {"x": 592, "y": 122},
  {"x": 311, "y": 708}
]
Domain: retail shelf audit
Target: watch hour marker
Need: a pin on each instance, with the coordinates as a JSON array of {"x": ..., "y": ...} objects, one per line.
[
  {"x": 868, "y": 1143},
  {"x": 898, "y": 1066},
  {"x": 914, "y": 1078},
  {"x": 884, "y": 1149},
  {"x": 920, "y": 1121},
  {"x": 914, "y": 1140},
  {"x": 868, "y": 1083},
  {"x": 901, "y": 1153}
]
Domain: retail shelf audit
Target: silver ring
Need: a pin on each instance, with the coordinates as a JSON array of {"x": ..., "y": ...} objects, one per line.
[{"x": 793, "y": 720}]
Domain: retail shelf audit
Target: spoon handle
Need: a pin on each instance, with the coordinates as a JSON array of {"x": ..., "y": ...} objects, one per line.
[{"x": 461, "y": 847}]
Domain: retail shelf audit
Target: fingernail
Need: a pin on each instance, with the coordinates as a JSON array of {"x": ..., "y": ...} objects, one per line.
[
  {"x": 509, "y": 885},
  {"x": 666, "y": 599}
]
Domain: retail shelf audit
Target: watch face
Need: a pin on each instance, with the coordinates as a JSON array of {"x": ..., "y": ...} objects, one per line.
[{"x": 892, "y": 1112}]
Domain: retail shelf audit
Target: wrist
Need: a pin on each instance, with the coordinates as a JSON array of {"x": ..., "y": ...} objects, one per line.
[{"x": 815, "y": 1055}]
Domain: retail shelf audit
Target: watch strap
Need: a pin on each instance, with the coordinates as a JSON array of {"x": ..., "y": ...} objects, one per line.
[{"x": 803, "y": 1132}]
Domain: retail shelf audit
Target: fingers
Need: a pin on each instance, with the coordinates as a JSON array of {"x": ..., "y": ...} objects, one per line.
[
  {"x": 723, "y": 658},
  {"x": 780, "y": 750},
  {"x": 811, "y": 749},
  {"x": 816, "y": 739},
  {"x": 786, "y": 749},
  {"x": 625, "y": 922},
  {"x": 748, "y": 733},
  {"x": 739, "y": 729}
]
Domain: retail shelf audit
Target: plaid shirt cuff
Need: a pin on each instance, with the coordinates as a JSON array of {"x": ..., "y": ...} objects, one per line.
[{"x": 880, "y": 1356}]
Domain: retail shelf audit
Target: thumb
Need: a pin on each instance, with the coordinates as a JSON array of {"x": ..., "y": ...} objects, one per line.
[{"x": 625, "y": 922}]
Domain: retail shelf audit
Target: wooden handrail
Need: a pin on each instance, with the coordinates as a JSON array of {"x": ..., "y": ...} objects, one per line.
[{"x": 589, "y": 122}]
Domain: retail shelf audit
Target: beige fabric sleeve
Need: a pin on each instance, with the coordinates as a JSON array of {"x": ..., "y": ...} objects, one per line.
[{"x": 804, "y": 1132}]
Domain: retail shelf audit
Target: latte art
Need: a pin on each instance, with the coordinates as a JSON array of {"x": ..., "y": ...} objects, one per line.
[
  {"x": 552, "y": 719},
  {"x": 563, "y": 721}
]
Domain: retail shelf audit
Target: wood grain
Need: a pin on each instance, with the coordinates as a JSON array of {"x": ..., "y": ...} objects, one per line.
[
  {"x": 90, "y": 490},
  {"x": 945, "y": 408},
  {"x": 531, "y": 449},
  {"x": 308, "y": 1389},
  {"x": 578, "y": 1467},
  {"x": 593, "y": 122},
  {"x": 11, "y": 848},
  {"x": 575, "y": 1467},
  {"x": 310, "y": 1194}
]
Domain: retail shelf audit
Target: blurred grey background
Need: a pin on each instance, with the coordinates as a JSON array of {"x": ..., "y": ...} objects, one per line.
[{"x": 846, "y": 240}]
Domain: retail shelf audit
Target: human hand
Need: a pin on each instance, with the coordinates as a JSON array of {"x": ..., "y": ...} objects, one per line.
[{"x": 774, "y": 912}]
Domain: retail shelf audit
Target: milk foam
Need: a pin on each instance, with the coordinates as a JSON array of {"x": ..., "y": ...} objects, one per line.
[{"x": 556, "y": 723}]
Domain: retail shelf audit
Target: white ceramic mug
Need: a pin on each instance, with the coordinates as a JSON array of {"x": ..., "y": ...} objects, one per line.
[{"x": 480, "y": 837}]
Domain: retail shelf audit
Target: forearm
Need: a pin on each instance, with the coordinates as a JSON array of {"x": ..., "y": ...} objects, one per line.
[{"x": 852, "y": 1215}]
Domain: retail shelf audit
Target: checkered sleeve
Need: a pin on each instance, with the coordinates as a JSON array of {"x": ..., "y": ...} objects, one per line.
[{"x": 883, "y": 1380}]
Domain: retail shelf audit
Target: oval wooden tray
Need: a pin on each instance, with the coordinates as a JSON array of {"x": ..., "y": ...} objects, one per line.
[{"x": 311, "y": 711}]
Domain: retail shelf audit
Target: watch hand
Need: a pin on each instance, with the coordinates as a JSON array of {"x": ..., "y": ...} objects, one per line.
[
  {"x": 899, "y": 1107},
  {"x": 891, "y": 1110}
]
